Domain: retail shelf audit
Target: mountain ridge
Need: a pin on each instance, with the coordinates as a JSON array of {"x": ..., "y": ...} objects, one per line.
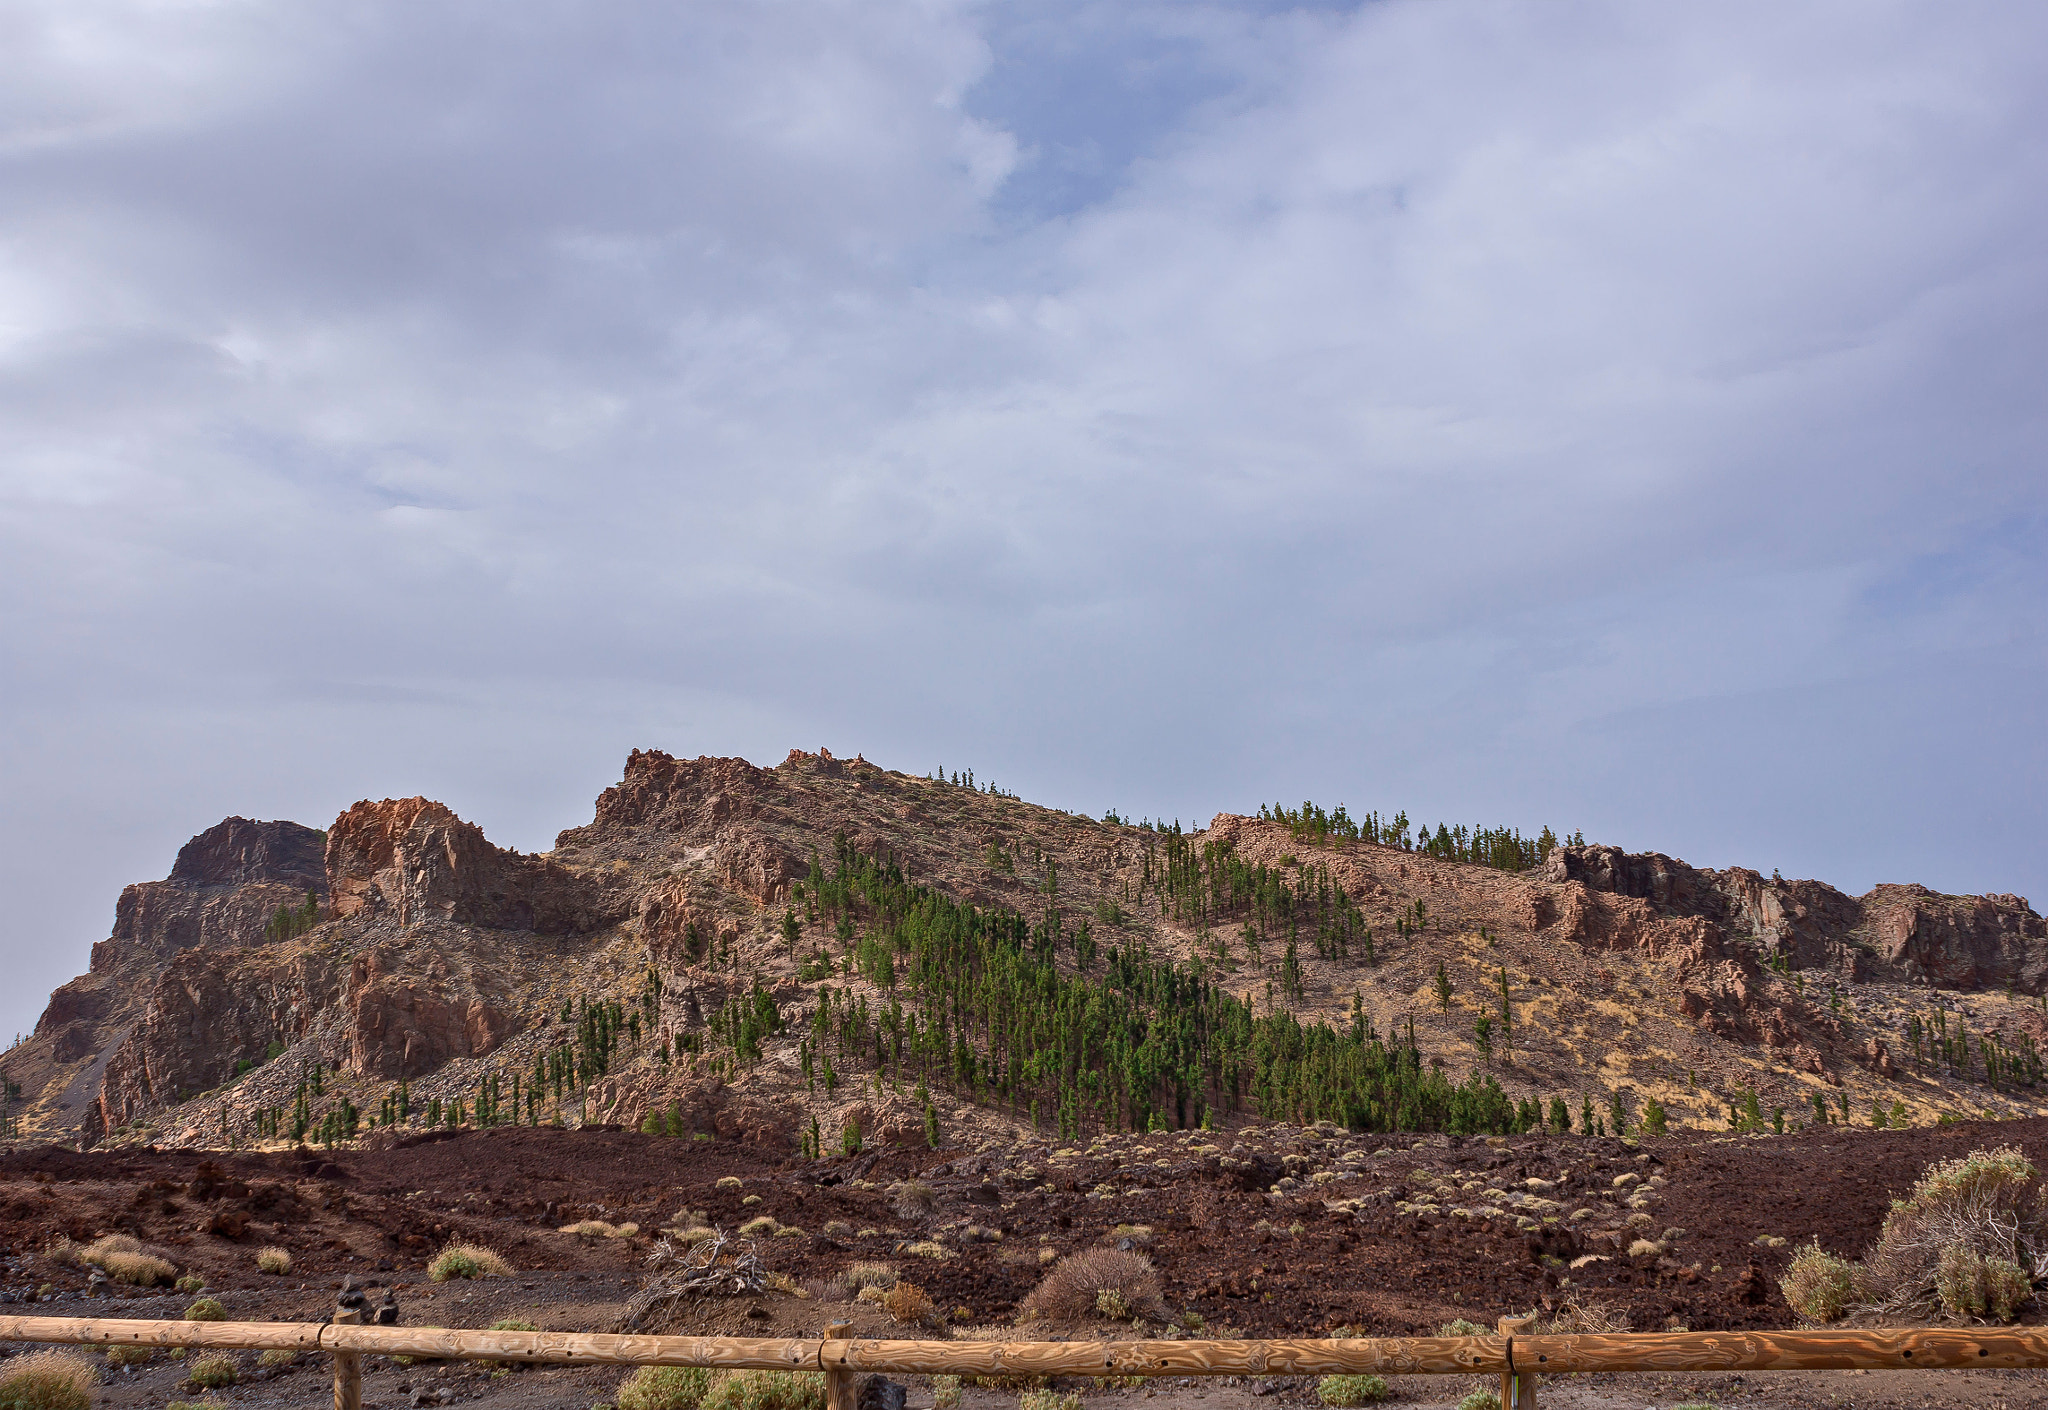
[{"x": 431, "y": 958}]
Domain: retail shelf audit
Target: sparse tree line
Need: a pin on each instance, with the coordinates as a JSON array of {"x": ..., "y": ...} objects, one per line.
[
  {"x": 290, "y": 922},
  {"x": 1504, "y": 848}
]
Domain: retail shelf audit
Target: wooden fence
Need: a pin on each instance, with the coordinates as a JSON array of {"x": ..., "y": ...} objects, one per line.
[{"x": 1518, "y": 1358}]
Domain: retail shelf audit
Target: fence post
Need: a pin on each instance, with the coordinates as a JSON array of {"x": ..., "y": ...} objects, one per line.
[
  {"x": 1517, "y": 1389},
  {"x": 348, "y": 1366},
  {"x": 838, "y": 1380}
]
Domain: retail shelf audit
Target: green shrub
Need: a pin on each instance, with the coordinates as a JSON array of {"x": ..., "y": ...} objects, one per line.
[
  {"x": 945, "y": 1393},
  {"x": 665, "y": 1388},
  {"x": 128, "y": 1355},
  {"x": 1351, "y": 1390},
  {"x": 766, "y": 1390},
  {"x": 213, "y": 1372},
  {"x": 1048, "y": 1400},
  {"x": 49, "y": 1380},
  {"x": 207, "y": 1309},
  {"x": 1459, "y": 1327},
  {"x": 1971, "y": 1285},
  {"x": 1819, "y": 1285},
  {"x": 1960, "y": 1241},
  {"x": 1480, "y": 1400},
  {"x": 190, "y": 1283},
  {"x": 277, "y": 1356}
]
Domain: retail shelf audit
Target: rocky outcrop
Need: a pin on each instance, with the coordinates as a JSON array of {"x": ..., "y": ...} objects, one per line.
[
  {"x": 1957, "y": 942},
  {"x": 1898, "y": 933},
  {"x": 224, "y": 889},
  {"x": 425, "y": 998},
  {"x": 239, "y": 852},
  {"x": 416, "y": 860},
  {"x": 208, "y": 1011},
  {"x": 684, "y": 796}
]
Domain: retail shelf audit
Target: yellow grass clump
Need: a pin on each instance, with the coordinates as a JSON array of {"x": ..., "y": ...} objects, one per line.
[
  {"x": 275, "y": 1261},
  {"x": 49, "y": 1380},
  {"x": 467, "y": 1261}
]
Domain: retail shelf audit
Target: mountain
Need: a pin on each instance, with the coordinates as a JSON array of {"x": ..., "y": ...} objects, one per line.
[{"x": 828, "y": 952}]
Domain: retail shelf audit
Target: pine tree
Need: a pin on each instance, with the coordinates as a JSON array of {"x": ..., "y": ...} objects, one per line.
[{"x": 1443, "y": 987}]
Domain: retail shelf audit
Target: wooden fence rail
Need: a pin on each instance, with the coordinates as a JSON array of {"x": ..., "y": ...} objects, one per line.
[{"x": 1517, "y": 1357}]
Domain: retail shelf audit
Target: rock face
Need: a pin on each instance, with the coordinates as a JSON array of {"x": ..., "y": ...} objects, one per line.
[
  {"x": 210, "y": 1010},
  {"x": 417, "y": 861},
  {"x": 419, "y": 1000},
  {"x": 1897, "y": 933},
  {"x": 222, "y": 892},
  {"x": 708, "y": 802}
]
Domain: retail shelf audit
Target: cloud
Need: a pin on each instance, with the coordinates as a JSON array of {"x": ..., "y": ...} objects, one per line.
[{"x": 1590, "y": 417}]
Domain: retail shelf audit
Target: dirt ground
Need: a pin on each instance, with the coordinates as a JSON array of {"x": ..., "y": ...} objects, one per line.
[{"x": 1267, "y": 1231}]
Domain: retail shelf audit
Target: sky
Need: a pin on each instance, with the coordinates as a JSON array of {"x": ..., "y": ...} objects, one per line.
[{"x": 1626, "y": 418}]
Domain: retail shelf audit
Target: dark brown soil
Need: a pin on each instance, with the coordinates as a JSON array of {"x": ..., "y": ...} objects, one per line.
[{"x": 1361, "y": 1250}]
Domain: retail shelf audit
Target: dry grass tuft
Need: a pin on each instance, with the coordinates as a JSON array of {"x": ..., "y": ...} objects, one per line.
[
  {"x": 915, "y": 1200},
  {"x": 467, "y": 1261},
  {"x": 49, "y": 1380},
  {"x": 1073, "y": 1288},
  {"x": 143, "y": 1270},
  {"x": 870, "y": 1275},
  {"x": 275, "y": 1261},
  {"x": 1585, "y": 1315}
]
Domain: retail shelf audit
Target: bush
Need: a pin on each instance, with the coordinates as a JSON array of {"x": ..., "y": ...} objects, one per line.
[
  {"x": 1459, "y": 1327},
  {"x": 1954, "y": 1243},
  {"x": 1072, "y": 1288},
  {"x": 1819, "y": 1285},
  {"x": 665, "y": 1388},
  {"x": 274, "y": 1261},
  {"x": 1480, "y": 1400},
  {"x": 207, "y": 1309},
  {"x": 126, "y": 1356},
  {"x": 213, "y": 1372},
  {"x": 49, "y": 1380},
  {"x": 870, "y": 1275},
  {"x": 1351, "y": 1390},
  {"x": 766, "y": 1390},
  {"x": 915, "y": 1200},
  {"x": 277, "y": 1356},
  {"x": 1972, "y": 1285},
  {"x": 467, "y": 1261},
  {"x": 907, "y": 1303},
  {"x": 760, "y": 1227},
  {"x": 728, "y": 1182},
  {"x": 1047, "y": 1400},
  {"x": 945, "y": 1393}
]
